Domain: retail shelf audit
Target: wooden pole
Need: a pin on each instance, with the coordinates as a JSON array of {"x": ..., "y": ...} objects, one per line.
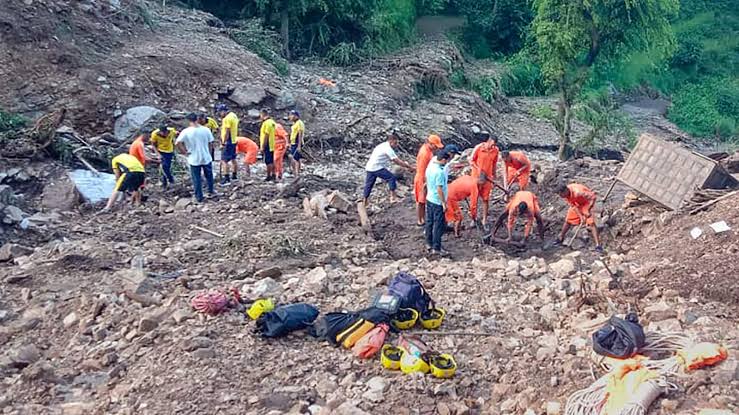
[
  {"x": 364, "y": 218},
  {"x": 608, "y": 193},
  {"x": 712, "y": 202},
  {"x": 208, "y": 231}
]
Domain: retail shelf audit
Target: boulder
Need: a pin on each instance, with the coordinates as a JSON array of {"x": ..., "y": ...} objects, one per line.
[
  {"x": 60, "y": 194},
  {"x": 315, "y": 281},
  {"x": 270, "y": 272},
  {"x": 10, "y": 251},
  {"x": 127, "y": 125},
  {"x": 340, "y": 201},
  {"x": 7, "y": 196},
  {"x": 285, "y": 100},
  {"x": 267, "y": 287},
  {"x": 248, "y": 96},
  {"x": 563, "y": 268},
  {"x": 13, "y": 215}
]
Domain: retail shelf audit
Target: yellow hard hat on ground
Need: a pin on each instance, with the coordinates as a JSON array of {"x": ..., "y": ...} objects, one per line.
[
  {"x": 405, "y": 319},
  {"x": 432, "y": 318},
  {"x": 390, "y": 357},
  {"x": 442, "y": 365}
]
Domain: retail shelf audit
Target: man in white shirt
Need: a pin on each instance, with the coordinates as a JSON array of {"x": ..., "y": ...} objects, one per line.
[
  {"x": 196, "y": 141},
  {"x": 378, "y": 166}
]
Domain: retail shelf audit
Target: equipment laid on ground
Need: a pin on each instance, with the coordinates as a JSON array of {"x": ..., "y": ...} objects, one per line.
[
  {"x": 443, "y": 366},
  {"x": 405, "y": 319},
  {"x": 285, "y": 319},
  {"x": 432, "y": 318},
  {"x": 619, "y": 338},
  {"x": 390, "y": 357},
  {"x": 260, "y": 307},
  {"x": 353, "y": 333}
]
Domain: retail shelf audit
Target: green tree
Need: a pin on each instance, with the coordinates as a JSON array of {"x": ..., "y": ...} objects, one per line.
[{"x": 574, "y": 35}]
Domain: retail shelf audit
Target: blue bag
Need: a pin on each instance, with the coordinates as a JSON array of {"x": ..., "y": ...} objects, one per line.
[{"x": 410, "y": 291}]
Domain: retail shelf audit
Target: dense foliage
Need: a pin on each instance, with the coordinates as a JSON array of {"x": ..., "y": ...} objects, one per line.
[{"x": 568, "y": 47}]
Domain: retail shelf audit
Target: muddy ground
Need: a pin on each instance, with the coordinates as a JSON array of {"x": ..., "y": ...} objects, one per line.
[{"x": 75, "y": 343}]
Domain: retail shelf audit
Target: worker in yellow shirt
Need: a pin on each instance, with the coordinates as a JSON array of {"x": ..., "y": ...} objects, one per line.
[
  {"x": 162, "y": 141},
  {"x": 297, "y": 135},
  {"x": 213, "y": 126},
  {"x": 267, "y": 142},
  {"x": 130, "y": 176},
  {"x": 229, "y": 136}
]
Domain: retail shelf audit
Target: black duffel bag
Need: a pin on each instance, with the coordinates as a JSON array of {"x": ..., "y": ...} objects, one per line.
[
  {"x": 619, "y": 338},
  {"x": 284, "y": 319}
]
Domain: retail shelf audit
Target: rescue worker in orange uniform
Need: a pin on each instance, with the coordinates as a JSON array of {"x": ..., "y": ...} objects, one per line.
[
  {"x": 425, "y": 154},
  {"x": 460, "y": 189},
  {"x": 581, "y": 201},
  {"x": 280, "y": 150},
  {"x": 526, "y": 205},
  {"x": 485, "y": 159},
  {"x": 249, "y": 148},
  {"x": 518, "y": 167}
]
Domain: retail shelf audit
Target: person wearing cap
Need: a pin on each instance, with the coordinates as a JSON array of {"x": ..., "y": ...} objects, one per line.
[
  {"x": 211, "y": 124},
  {"x": 517, "y": 167},
  {"x": 297, "y": 134},
  {"x": 524, "y": 204},
  {"x": 229, "y": 135},
  {"x": 280, "y": 150},
  {"x": 425, "y": 154},
  {"x": 162, "y": 141},
  {"x": 267, "y": 133},
  {"x": 378, "y": 167},
  {"x": 130, "y": 176},
  {"x": 436, "y": 198},
  {"x": 484, "y": 159},
  {"x": 249, "y": 149},
  {"x": 196, "y": 142}
]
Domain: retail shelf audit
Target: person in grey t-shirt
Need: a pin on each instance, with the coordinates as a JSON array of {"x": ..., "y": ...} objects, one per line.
[{"x": 196, "y": 142}]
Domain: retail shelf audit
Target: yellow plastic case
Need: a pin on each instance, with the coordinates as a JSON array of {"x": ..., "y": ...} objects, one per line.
[{"x": 260, "y": 307}]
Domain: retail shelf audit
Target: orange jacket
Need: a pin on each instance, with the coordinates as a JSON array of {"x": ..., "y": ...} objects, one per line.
[
  {"x": 280, "y": 136},
  {"x": 580, "y": 196},
  {"x": 425, "y": 154},
  {"x": 137, "y": 149},
  {"x": 246, "y": 145},
  {"x": 486, "y": 159},
  {"x": 532, "y": 202},
  {"x": 517, "y": 161},
  {"x": 462, "y": 188}
]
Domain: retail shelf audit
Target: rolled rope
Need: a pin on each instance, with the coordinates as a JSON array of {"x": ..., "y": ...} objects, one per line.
[{"x": 212, "y": 303}]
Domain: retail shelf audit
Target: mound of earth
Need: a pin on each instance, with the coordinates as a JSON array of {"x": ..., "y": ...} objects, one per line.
[{"x": 98, "y": 58}]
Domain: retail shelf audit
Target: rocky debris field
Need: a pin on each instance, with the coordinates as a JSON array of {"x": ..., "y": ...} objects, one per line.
[{"x": 95, "y": 312}]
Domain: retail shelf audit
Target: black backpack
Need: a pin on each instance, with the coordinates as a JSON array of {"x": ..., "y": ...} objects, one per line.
[{"x": 619, "y": 338}]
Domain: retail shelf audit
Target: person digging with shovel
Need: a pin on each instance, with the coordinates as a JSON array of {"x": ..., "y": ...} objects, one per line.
[
  {"x": 485, "y": 159},
  {"x": 526, "y": 205},
  {"x": 581, "y": 201},
  {"x": 460, "y": 189}
]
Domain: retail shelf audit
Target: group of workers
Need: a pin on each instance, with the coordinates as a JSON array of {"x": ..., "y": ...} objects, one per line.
[
  {"x": 198, "y": 143},
  {"x": 438, "y": 202}
]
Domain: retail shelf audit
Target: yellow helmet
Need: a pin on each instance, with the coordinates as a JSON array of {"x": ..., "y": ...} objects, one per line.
[
  {"x": 432, "y": 318},
  {"x": 390, "y": 357},
  {"x": 442, "y": 365},
  {"x": 405, "y": 319},
  {"x": 410, "y": 363}
]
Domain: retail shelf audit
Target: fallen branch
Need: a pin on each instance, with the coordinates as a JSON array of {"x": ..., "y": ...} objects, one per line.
[
  {"x": 208, "y": 231},
  {"x": 712, "y": 202}
]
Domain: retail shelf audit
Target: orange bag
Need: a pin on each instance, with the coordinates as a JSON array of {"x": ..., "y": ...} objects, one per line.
[
  {"x": 356, "y": 331},
  {"x": 371, "y": 343}
]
